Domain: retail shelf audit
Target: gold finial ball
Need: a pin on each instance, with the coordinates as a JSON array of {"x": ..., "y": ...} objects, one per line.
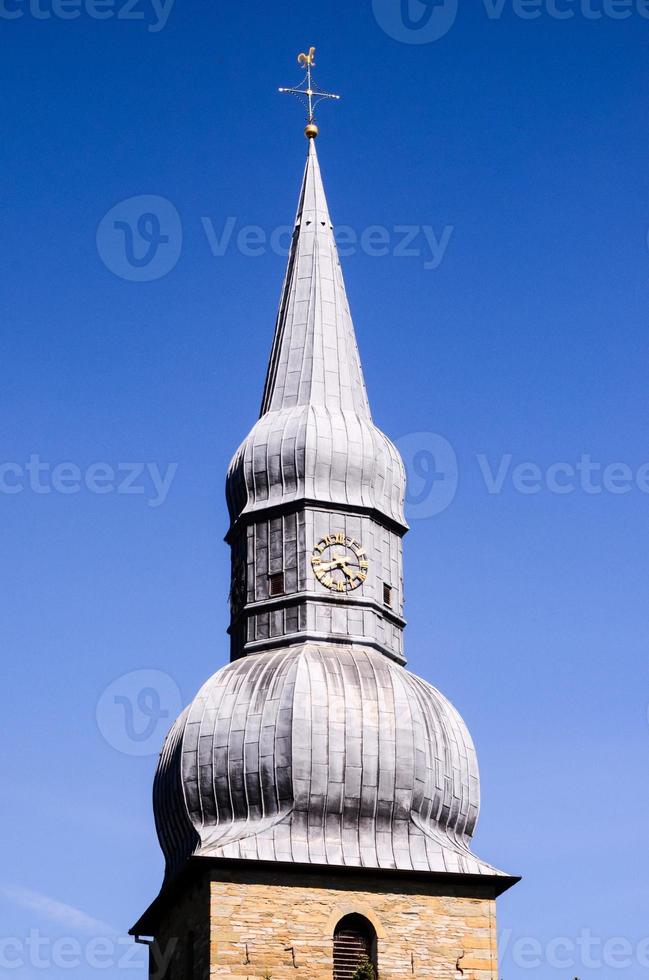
[{"x": 311, "y": 131}]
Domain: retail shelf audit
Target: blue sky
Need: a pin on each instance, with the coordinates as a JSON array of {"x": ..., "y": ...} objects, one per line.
[{"x": 512, "y": 353}]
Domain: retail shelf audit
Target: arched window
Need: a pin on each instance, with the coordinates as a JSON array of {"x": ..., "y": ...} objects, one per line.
[{"x": 354, "y": 946}]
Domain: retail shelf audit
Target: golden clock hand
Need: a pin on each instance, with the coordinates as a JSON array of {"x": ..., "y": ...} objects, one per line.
[{"x": 328, "y": 566}]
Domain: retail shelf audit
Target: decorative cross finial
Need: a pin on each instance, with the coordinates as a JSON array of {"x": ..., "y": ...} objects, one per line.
[{"x": 308, "y": 92}]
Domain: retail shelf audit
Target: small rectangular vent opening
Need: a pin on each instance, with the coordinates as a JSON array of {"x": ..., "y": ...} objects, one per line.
[
  {"x": 276, "y": 584},
  {"x": 387, "y": 595}
]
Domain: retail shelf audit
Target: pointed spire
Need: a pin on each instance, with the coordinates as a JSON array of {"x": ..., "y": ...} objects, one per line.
[{"x": 314, "y": 359}]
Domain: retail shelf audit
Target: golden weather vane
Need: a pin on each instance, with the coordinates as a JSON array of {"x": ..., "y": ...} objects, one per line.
[{"x": 308, "y": 92}]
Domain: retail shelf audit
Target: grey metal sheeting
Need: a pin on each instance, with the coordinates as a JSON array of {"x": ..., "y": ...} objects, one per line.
[
  {"x": 312, "y": 452},
  {"x": 315, "y": 437},
  {"x": 322, "y": 754}
]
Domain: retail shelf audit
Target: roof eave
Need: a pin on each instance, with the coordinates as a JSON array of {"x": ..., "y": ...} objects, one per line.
[{"x": 493, "y": 885}]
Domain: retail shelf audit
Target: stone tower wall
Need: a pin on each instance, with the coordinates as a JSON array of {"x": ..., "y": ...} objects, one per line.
[
  {"x": 181, "y": 950},
  {"x": 266, "y": 924}
]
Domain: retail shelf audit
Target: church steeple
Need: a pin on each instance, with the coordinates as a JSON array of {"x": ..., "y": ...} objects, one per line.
[
  {"x": 315, "y": 356},
  {"x": 316, "y": 801},
  {"x": 316, "y": 491}
]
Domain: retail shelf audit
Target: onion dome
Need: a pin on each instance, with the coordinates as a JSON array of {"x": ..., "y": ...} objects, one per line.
[
  {"x": 311, "y": 453},
  {"x": 320, "y": 754}
]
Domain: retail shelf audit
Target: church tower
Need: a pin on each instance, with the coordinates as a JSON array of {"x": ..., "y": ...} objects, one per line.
[{"x": 316, "y": 801}]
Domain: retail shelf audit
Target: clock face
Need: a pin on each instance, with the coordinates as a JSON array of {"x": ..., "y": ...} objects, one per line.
[{"x": 339, "y": 562}]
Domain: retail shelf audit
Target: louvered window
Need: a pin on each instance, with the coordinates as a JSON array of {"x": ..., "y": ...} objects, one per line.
[
  {"x": 354, "y": 944},
  {"x": 276, "y": 584}
]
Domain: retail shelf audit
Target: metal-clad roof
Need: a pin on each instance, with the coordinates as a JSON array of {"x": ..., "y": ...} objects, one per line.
[
  {"x": 320, "y": 754},
  {"x": 315, "y": 438},
  {"x": 315, "y": 358}
]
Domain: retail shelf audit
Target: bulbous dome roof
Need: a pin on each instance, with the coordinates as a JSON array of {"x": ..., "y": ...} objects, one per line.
[
  {"x": 310, "y": 452},
  {"x": 320, "y": 754}
]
